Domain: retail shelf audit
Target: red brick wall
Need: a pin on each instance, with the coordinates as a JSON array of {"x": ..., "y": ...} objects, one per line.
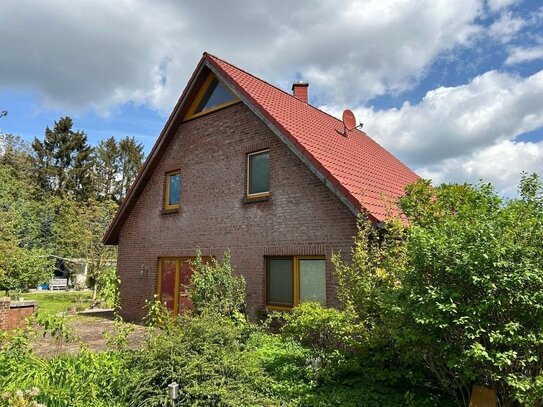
[
  {"x": 14, "y": 316},
  {"x": 301, "y": 217},
  {"x": 4, "y": 312}
]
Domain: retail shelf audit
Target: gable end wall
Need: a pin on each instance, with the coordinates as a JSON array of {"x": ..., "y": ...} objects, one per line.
[{"x": 302, "y": 217}]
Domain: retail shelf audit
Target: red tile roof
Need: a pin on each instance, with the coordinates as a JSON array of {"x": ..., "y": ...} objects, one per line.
[
  {"x": 363, "y": 171},
  {"x": 355, "y": 167}
]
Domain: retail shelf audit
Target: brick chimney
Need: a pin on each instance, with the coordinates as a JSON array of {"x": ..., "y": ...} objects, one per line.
[{"x": 300, "y": 90}]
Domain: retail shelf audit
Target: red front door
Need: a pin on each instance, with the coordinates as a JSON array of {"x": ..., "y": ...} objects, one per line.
[
  {"x": 174, "y": 275},
  {"x": 167, "y": 279},
  {"x": 185, "y": 274}
]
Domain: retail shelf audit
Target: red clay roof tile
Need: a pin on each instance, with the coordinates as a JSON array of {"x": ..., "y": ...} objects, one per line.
[
  {"x": 367, "y": 173},
  {"x": 364, "y": 173}
]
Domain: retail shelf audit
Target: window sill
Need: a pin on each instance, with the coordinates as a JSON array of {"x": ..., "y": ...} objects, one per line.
[
  {"x": 278, "y": 308},
  {"x": 256, "y": 198},
  {"x": 169, "y": 211}
]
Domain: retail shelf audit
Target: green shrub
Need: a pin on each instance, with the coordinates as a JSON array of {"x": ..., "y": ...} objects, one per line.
[
  {"x": 472, "y": 297},
  {"x": 323, "y": 329},
  {"x": 354, "y": 381},
  {"x": 215, "y": 288},
  {"x": 208, "y": 357},
  {"x": 108, "y": 288}
]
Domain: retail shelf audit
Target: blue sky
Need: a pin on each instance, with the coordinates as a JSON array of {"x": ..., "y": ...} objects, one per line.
[{"x": 454, "y": 89}]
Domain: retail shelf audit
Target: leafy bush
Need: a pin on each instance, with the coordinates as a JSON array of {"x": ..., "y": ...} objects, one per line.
[
  {"x": 214, "y": 286},
  {"x": 353, "y": 381},
  {"x": 323, "y": 329},
  {"x": 207, "y": 356},
  {"x": 21, "y": 268},
  {"x": 108, "y": 288},
  {"x": 367, "y": 284},
  {"x": 472, "y": 296}
]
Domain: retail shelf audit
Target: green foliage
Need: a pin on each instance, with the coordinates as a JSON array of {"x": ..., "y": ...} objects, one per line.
[
  {"x": 214, "y": 286},
  {"x": 64, "y": 161},
  {"x": 366, "y": 285},
  {"x": 472, "y": 296},
  {"x": 325, "y": 330},
  {"x": 208, "y": 357},
  {"x": 117, "y": 164},
  {"x": 158, "y": 315},
  {"x": 108, "y": 288},
  {"x": 85, "y": 379},
  {"x": 23, "y": 269},
  {"x": 299, "y": 379},
  {"x": 130, "y": 160}
]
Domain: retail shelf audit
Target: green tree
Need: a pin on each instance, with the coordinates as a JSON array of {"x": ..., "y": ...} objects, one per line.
[
  {"x": 130, "y": 162},
  {"x": 472, "y": 295},
  {"x": 107, "y": 168},
  {"x": 16, "y": 153},
  {"x": 22, "y": 264},
  {"x": 64, "y": 161}
]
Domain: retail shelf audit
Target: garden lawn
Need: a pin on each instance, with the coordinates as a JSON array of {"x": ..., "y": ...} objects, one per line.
[{"x": 55, "y": 302}]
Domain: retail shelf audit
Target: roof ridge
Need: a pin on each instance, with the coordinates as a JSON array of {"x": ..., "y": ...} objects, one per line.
[{"x": 281, "y": 90}]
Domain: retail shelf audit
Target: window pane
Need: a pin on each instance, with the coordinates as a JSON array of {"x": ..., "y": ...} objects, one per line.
[
  {"x": 259, "y": 173},
  {"x": 280, "y": 282},
  {"x": 175, "y": 189},
  {"x": 313, "y": 281},
  {"x": 215, "y": 95}
]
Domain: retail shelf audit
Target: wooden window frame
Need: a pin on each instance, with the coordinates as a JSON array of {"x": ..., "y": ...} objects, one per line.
[
  {"x": 248, "y": 175},
  {"x": 167, "y": 206},
  {"x": 295, "y": 283},
  {"x": 201, "y": 92}
]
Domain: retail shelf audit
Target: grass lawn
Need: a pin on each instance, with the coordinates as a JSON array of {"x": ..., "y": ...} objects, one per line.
[{"x": 58, "y": 301}]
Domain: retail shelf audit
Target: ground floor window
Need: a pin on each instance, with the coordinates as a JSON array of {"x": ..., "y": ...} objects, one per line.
[{"x": 295, "y": 279}]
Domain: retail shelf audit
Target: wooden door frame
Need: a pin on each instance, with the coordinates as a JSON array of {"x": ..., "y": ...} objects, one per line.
[{"x": 178, "y": 261}]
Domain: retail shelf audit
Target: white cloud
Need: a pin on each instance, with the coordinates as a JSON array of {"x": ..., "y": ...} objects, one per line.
[
  {"x": 506, "y": 27},
  {"x": 452, "y": 121},
  {"x": 463, "y": 130},
  {"x": 498, "y": 5},
  {"x": 501, "y": 164},
  {"x": 96, "y": 54},
  {"x": 519, "y": 55}
]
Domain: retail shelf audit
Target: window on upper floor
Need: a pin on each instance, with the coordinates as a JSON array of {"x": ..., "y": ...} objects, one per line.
[
  {"x": 292, "y": 280},
  {"x": 258, "y": 173},
  {"x": 173, "y": 190},
  {"x": 212, "y": 95}
]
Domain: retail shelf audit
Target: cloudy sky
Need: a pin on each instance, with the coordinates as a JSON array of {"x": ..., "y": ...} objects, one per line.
[{"x": 453, "y": 88}]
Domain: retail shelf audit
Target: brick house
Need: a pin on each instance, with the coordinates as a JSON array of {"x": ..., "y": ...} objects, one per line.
[{"x": 244, "y": 166}]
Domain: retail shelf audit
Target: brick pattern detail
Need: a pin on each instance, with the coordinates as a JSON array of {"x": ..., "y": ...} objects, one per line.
[
  {"x": 14, "y": 316},
  {"x": 301, "y": 217},
  {"x": 4, "y": 312}
]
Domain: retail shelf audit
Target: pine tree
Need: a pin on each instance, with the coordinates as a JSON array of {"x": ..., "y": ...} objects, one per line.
[
  {"x": 107, "y": 168},
  {"x": 64, "y": 161},
  {"x": 130, "y": 162}
]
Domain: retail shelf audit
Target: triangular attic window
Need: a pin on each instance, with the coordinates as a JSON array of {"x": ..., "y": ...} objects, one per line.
[{"x": 212, "y": 96}]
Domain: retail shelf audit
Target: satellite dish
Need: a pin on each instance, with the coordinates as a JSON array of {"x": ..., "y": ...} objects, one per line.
[{"x": 349, "y": 121}]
